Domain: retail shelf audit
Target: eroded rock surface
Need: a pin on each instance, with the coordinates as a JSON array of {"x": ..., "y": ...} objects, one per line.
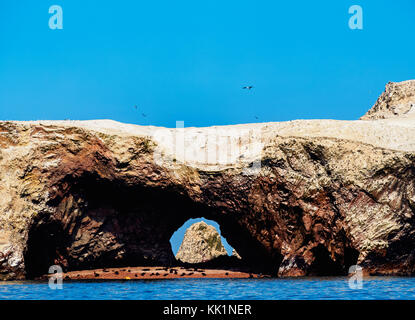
[
  {"x": 201, "y": 243},
  {"x": 305, "y": 197},
  {"x": 398, "y": 99}
]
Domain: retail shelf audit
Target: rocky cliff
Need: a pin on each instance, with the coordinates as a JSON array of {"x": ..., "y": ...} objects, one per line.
[
  {"x": 201, "y": 243},
  {"x": 398, "y": 99},
  {"x": 305, "y": 197}
]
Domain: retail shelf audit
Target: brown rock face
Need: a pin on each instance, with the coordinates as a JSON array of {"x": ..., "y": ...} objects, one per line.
[
  {"x": 201, "y": 243},
  {"x": 295, "y": 198}
]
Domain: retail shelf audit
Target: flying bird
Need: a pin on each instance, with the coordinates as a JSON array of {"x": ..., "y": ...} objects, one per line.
[
  {"x": 144, "y": 115},
  {"x": 248, "y": 87},
  {"x": 135, "y": 107}
]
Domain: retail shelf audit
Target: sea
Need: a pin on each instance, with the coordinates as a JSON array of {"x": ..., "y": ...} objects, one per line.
[{"x": 376, "y": 288}]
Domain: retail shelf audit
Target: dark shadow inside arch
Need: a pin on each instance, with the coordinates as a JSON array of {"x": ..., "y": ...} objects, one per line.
[
  {"x": 324, "y": 265},
  {"x": 46, "y": 241},
  {"x": 99, "y": 223}
]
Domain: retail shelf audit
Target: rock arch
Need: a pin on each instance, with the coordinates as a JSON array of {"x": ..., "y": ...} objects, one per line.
[{"x": 102, "y": 223}]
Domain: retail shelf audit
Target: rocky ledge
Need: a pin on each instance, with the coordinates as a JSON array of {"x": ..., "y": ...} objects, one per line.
[{"x": 305, "y": 197}]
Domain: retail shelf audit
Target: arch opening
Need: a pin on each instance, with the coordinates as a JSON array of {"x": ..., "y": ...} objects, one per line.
[
  {"x": 204, "y": 246},
  {"x": 178, "y": 236}
]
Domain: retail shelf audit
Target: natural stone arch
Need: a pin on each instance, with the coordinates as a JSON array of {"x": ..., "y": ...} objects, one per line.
[
  {"x": 121, "y": 208},
  {"x": 102, "y": 223}
]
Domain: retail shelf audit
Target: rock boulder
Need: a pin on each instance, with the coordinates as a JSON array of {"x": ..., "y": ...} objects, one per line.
[{"x": 201, "y": 243}]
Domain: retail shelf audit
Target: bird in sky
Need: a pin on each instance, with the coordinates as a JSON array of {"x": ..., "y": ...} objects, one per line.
[
  {"x": 135, "y": 107},
  {"x": 144, "y": 115},
  {"x": 248, "y": 87}
]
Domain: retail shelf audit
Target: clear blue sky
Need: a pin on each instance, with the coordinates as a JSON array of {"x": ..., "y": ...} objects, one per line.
[{"x": 187, "y": 60}]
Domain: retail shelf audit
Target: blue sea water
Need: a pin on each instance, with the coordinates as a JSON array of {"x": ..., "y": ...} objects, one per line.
[{"x": 215, "y": 289}]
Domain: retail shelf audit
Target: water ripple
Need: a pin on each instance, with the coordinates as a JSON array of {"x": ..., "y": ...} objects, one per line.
[{"x": 215, "y": 289}]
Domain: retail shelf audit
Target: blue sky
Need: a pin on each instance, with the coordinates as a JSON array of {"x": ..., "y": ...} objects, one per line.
[{"x": 187, "y": 60}]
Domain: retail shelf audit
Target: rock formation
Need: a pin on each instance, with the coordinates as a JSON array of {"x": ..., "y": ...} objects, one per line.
[
  {"x": 235, "y": 254},
  {"x": 305, "y": 197},
  {"x": 398, "y": 99},
  {"x": 201, "y": 243}
]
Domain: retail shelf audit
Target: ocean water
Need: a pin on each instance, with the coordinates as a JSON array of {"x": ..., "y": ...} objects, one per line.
[{"x": 215, "y": 289}]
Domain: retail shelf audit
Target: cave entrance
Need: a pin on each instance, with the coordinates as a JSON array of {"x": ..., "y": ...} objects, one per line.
[
  {"x": 324, "y": 265},
  {"x": 45, "y": 247}
]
